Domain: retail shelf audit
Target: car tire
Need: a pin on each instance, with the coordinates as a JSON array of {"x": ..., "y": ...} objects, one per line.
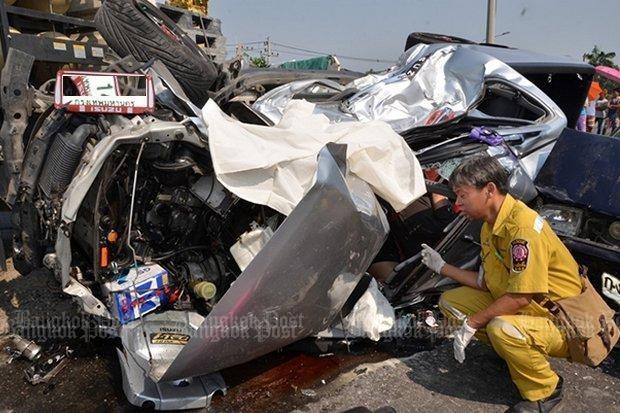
[{"x": 129, "y": 27}]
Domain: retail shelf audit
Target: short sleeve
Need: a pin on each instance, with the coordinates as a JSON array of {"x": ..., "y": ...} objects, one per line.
[{"x": 529, "y": 263}]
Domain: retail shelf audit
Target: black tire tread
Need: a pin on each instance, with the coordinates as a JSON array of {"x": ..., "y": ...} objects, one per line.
[{"x": 129, "y": 32}]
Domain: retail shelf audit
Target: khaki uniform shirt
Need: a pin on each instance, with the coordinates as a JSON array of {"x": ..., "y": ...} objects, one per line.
[{"x": 522, "y": 254}]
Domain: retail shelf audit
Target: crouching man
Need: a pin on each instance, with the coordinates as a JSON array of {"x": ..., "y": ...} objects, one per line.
[{"x": 522, "y": 259}]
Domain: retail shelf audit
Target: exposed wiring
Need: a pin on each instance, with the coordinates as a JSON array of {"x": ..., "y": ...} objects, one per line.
[
  {"x": 133, "y": 199},
  {"x": 133, "y": 251},
  {"x": 173, "y": 253}
]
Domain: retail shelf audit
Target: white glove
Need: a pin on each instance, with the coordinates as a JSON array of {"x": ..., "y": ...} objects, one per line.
[
  {"x": 462, "y": 337},
  {"x": 432, "y": 259}
]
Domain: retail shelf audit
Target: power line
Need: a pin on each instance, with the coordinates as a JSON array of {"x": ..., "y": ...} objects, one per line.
[
  {"x": 296, "y": 53},
  {"x": 364, "y": 59},
  {"x": 299, "y": 48},
  {"x": 256, "y": 42},
  {"x": 338, "y": 56},
  {"x": 300, "y": 51}
]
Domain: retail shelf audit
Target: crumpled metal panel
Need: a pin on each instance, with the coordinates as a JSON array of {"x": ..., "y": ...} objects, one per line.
[
  {"x": 298, "y": 282},
  {"x": 272, "y": 103},
  {"x": 430, "y": 85},
  {"x": 156, "y": 339},
  {"x": 435, "y": 88},
  {"x": 411, "y": 55}
]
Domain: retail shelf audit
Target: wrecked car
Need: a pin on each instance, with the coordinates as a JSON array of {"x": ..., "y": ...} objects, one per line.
[
  {"x": 127, "y": 211},
  {"x": 208, "y": 232}
]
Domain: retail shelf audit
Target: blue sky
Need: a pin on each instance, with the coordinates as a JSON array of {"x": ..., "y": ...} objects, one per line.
[{"x": 378, "y": 29}]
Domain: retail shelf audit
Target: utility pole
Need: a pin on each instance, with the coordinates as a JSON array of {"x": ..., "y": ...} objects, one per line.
[
  {"x": 239, "y": 51},
  {"x": 491, "y": 11},
  {"x": 267, "y": 52}
]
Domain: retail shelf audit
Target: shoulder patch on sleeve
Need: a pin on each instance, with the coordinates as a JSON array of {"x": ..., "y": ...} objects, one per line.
[
  {"x": 519, "y": 254},
  {"x": 538, "y": 223}
]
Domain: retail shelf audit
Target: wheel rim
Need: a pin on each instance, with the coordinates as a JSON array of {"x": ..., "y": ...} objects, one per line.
[
  {"x": 167, "y": 26},
  {"x": 146, "y": 9}
]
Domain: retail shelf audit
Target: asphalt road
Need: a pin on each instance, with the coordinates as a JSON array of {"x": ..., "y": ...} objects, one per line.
[
  {"x": 432, "y": 381},
  {"x": 427, "y": 381}
]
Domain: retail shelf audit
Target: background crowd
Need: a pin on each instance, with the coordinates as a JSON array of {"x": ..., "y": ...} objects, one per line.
[{"x": 600, "y": 115}]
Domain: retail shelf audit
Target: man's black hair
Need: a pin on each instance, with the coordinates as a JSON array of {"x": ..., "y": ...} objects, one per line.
[{"x": 478, "y": 171}]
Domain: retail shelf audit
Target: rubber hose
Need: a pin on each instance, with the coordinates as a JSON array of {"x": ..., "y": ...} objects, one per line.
[{"x": 63, "y": 159}]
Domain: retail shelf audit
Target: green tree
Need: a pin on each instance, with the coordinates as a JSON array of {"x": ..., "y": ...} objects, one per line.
[
  {"x": 598, "y": 57},
  {"x": 258, "y": 61}
]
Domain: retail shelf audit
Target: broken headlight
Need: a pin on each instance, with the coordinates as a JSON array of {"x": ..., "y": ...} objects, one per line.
[{"x": 564, "y": 220}]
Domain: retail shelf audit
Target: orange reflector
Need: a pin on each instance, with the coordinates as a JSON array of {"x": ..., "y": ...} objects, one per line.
[
  {"x": 104, "y": 260},
  {"x": 112, "y": 236}
]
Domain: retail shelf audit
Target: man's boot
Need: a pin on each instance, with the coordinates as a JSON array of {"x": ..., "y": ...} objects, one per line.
[{"x": 540, "y": 406}]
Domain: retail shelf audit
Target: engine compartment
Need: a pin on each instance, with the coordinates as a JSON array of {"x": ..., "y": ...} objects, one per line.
[{"x": 185, "y": 222}]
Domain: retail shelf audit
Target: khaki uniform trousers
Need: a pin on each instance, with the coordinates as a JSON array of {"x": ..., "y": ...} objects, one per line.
[{"x": 524, "y": 342}]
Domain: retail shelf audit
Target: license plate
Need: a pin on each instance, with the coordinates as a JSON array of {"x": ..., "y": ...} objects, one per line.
[
  {"x": 106, "y": 93},
  {"x": 611, "y": 287}
]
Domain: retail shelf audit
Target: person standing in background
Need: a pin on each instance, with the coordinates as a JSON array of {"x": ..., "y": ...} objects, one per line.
[
  {"x": 601, "y": 112},
  {"x": 614, "y": 108},
  {"x": 581, "y": 121},
  {"x": 590, "y": 112}
]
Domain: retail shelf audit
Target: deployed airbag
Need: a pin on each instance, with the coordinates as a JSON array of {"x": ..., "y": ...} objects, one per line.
[{"x": 276, "y": 166}]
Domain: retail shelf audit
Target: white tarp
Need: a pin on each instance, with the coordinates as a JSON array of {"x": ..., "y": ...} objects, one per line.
[
  {"x": 275, "y": 166},
  {"x": 371, "y": 315}
]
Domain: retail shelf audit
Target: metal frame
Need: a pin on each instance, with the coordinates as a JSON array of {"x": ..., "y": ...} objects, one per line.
[
  {"x": 208, "y": 31},
  {"x": 46, "y": 49},
  {"x": 17, "y": 108},
  {"x": 177, "y": 15}
]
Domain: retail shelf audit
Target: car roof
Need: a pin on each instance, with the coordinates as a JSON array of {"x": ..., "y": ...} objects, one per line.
[{"x": 533, "y": 62}]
